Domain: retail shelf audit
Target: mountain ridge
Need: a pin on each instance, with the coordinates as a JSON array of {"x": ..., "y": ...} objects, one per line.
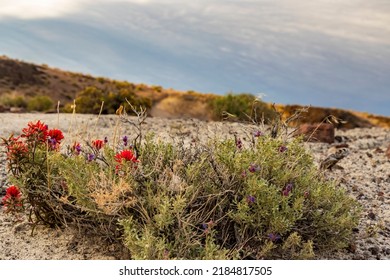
[{"x": 26, "y": 79}]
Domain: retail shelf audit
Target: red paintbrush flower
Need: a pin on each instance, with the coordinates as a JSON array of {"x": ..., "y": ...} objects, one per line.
[
  {"x": 126, "y": 155},
  {"x": 35, "y": 132},
  {"x": 123, "y": 157},
  {"x": 12, "y": 199},
  {"x": 56, "y": 134},
  {"x": 55, "y": 137},
  {"x": 16, "y": 149},
  {"x": 13, "y": 192},
  {"x": 98, "y": 144}
]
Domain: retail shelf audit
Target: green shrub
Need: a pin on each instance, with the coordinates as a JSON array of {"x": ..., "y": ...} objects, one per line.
[
  {"x": 220, "y": 200},
  {"x": 244, "y": 107},
  {"x": 40, "y": 103},
  {"x": 89, "y": 101},
  {"x": 13, "y": 100},
  {"x": 117, "y": 99}
]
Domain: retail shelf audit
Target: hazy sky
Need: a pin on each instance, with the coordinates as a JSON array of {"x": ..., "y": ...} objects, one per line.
[{"x": 332, "y": 53}]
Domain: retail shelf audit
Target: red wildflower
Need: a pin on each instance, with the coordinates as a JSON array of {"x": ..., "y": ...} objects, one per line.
[
  {"x": 12, "y": 199},
  {"x": 126, "y": 155},
  {"x": 98, "y": 144},
  {"x": 13, "y": 192},
  {"x": 55, "y": 137},
  {"x": 36, "y": 132},
  {"x": 56, "y": 134},
  {"x": 16, "y": 149}
]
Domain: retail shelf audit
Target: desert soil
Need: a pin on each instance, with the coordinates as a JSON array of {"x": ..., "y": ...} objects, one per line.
[{"x": 364, "y": 173}]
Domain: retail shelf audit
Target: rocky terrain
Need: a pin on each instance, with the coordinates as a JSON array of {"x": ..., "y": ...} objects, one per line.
[{"x": 364, "y": 173}]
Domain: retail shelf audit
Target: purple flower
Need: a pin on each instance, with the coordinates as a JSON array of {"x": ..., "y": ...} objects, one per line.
[
  {"x": 287, "y": 189},
  {"x": 254, "y": 168},
  {"x": 52, "y": 142},
  {"x": 273, "y": 237},
  {"x": 243, "y": 174},
  {"x": 105, "y": 140},
  {"x": 239, "y": 143},
  {"x": 91, "y": 157},
  {"x": 306, "y": 194},
  {"x": 282, "y": 149},
  {"x": 207, "y": 226},
  {"x": 257, "y": 133},
  {"x": 250, "y": 199},
  {"x": 124, "y": 140}
]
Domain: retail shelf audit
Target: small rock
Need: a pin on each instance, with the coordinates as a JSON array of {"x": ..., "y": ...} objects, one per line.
[
  {"x": 374, "y": 250},
  {"x": 371, "y": 215},
  {"x": 17, "y": 110},
  {"x": 378, "y": 150},
  {"x": 380, "y": 194},
  {"x": 323, "y": 132},
  {"x": 352, "y": 248},
  {"x": 341, "y": 139}
]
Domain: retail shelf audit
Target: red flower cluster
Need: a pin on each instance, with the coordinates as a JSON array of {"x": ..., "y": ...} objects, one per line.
[
  {"x": 12, "y": 199},
  {"x": 35, "y": 132},
  {"x": 98, "y": 144},
  {"x": 39, "y": 132},
  {"x": 123, "y": 157},
  {"x": 126, "y": 155},
  {"x": 16, "y": 149},
  {"x": 55, "y": 137}
]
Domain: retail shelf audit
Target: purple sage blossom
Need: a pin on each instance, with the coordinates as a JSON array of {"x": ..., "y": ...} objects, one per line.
[
  {"x": 287, "y": 189},
  {"x": 257, "y": 133},
  {"x": 250, "y": 199},
  {"x": 239, "y": 143},
  {"x": 124, "y": 139},
  {"x": 283, "y": 149},
  {"x": 91, "y": 157},
  {"x": 254, "y": 168},
  {"x": 274, "y": 237}
]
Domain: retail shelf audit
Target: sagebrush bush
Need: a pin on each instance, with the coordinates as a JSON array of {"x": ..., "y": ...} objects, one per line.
[
  {"x": 13, "y": 100},
  {"x": 262, "y": 199},
  {"x": 243, "y": 107},
  {"x": 89, "y": 100},
  {"x": 40, "y": 103}
]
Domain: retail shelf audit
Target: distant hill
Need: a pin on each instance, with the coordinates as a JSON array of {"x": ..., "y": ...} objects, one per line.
[{"x": 21, "y": 81}]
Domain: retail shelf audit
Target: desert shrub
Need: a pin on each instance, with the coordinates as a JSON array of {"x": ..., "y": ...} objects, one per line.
[
  {"x": 40, "y": 103},
  {"x": 13, "y": 100},
  {"x": 116, "y": 99},
  {"x": 89, "y": 100},
  {"x": 242, "y": 107},
  {"x": 262, "y": 199}
]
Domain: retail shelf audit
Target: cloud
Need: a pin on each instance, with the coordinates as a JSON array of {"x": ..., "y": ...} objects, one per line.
[
  {"x": 36, "y": 9},
  {"x": 27, "y": 9}
]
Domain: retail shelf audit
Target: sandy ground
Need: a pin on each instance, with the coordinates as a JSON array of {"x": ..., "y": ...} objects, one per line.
[{"x": 364, "y": 173}]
